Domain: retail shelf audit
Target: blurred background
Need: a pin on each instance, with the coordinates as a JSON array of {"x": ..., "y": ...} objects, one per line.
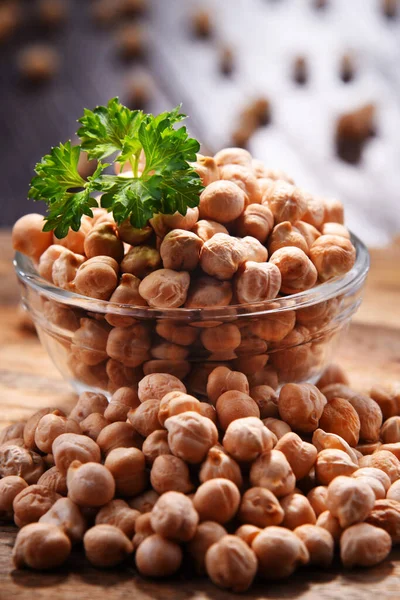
[{"x": 308, "y": 86}]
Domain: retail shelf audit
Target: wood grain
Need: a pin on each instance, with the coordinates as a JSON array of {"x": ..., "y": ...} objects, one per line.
[{"x": 29, "y": 381}]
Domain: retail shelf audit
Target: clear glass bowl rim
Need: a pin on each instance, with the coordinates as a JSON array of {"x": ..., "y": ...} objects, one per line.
[{"x": 347, "y": 283}]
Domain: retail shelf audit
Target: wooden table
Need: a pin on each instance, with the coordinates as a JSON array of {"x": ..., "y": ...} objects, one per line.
[{"x": 29, "y": 381}]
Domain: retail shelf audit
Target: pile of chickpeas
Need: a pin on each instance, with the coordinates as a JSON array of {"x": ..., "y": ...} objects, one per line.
[
  {"x": 251, "y": 482},
  {"x": 255, "y": 237}
]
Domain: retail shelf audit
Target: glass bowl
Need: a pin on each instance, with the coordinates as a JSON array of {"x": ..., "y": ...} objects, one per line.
[{"x": 100, "y": 346}]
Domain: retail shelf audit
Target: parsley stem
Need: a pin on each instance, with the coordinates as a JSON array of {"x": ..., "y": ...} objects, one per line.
[{"x": 133, "y": 164}]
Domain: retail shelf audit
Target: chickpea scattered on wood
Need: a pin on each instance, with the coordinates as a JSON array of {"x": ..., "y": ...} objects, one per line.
[
  {"x": 231, "y": 564},
  {"x": 170, "y": 473},
  {"x": 106, "y": 545},
  {"x": 266, "y": 399},
  {"x": 278, "y": 427},
  {"x": 31, "y": 503},
  {"x": 90, "y": 484},
  {"x": 222, "y": 380},
  {"x": 88, "y": 403},
  {"x": 66, "y": 515},
  {"x": 279, "y": 552},
  {"x": 50, "y": 427},
  {"x": 327, "y": 521},
  {"x": 218, "y": 464},
  {"x": 319, "y": 543},
  {"x": 41, "y": 546},
  {"x": 207, "y": 534},
  {"x": 297, "y": 511},
  {"x": 385, "y": 514},
  {"x": 341, "y": 418},
  {"x": 10, "y": 487},
  {"x": 15, "y": 460},
  {"x": 119, "y": 514},
  {"x": 158, "y": 557},
  {"x": 301, "y": 406},
  {"x": 173, "y": 517},
  {"x": 143, "y": 529},
  {"x": 217, "y": 500},
  {"x": 260, "y": 507},
  {"x": 364, "y": 545},
  {"x": 349, "y": 500}
]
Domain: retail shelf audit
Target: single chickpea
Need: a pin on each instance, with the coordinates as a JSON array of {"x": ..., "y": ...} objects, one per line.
[
  {"x": 275, "y": 327},
  {"x": 31, "y": 503},
  {"x": 323, "y": 441},
  {"x": 224, "y": 568},
  {"x": 330, "y": 523},
  {"x": 221, "y": 338},
  {"x": 123, "y": 399},
  {"x": 207, "y": 534},
  {"x": 133, "y": 235},
  {"x": 15, "y": 460},
  {"x": 219, "y": 465},
  {"x": 257, "y": 221},
  {"x": 385, "y": 514},
  {"x": 253, "y": 249},
  {"x": 89, "y": 342},
  {"x": 41, "y": 546},
  {"x": 266, "y": 399},
  {"x": 51, "y": 426},
  {"x": 260, "y": 507},
  {"x": 286, "y": 202},
  {"x": 245, "y": 179},
  {"x": 206, "y": 291},
  {"x": 332, "y": 255},
  {"x": 68, "y": 447},
  {"x": 376, "y": 473},
  {"x": 180, "y": 250},
  {"x": 106, "y": 546},
  {"x": 165, "y": 288},
  {"x": 156, "y": 444},
  {"x": 66, "y": 515},
  {"x": 335, "y": 229},
  {"x": 234, "y": 405},
  {"x": 370, "y": 416},
  {"x": 158, "y": 557},
  {"x": 118, "y": 435},
  {"x": 119, "y": 514},
  {"x": 233, "y": 156},
  {"x": 143, "y": 529},
  {"x": 248, "y": 533},
  {"x": 47, "y": 259},
  {"x": 170, "y": 473},
  {"x": 141, "y": 261},
  {"x": 93, "y": 376},
  {"x": 65, "y": 269},
  {"x": 102, "y": 240},
  {"x": 167, "y": 351},
  {"x": 173, "y": 517},
  {"x": 297, "y": 271},
  {"x": 205, "y": 229},
  {"x": 190, "y": 436},
  {"x": 88, "y": 403},
  {"x": 279, "y": 428},
  {"x": 28, "y": 236},
  {"x": 157, "y": 385},
  {"x": 317, "y": 498},
  {"x": 301, "y": 406},
  {"x": 319, "y": 543},
  {"x": 222, "y": 255},
  {"x": 144, "y": 418},
  {"x": 393, "y": 492},
  {"x": 127, "y": 292},
  {"x": 388, "y": 399},
  {"x": 294, "y": 358},
  {"x": 207, "y": 410},
  {"x": 10, "y": 487},
  {"x": 286, "y": 234},
  {"x": 390, "y": 430},
  {"x": 256, "y": 282},
  {"x": 364, "y": 545},
  {"x": 54, "y": 480},
  {"x": 127, "y": 466},
  {"x": 341, "y": 418},
  {"x": 246, "y": 438},
  {"x": 315, "y": 212},
  {"x": 349, "y": 500},
  {"x": 121, "y": 376},
  {"x": 130, "y": 345},
  {"x": 162, "y": 224},
  {"x": 333, "y": 211},
  {"x": 279, "y": 552},
  {"x": 384, "y": 460},
  {"x": 178, "y": 368},
  {"x": 297, "y": 511},
  {"x": 217, "y": 500},
  {"x": 331, "y": 464},
  {"x": 300, "y": 455},
  {"x": 15, "y": 430},
  {"x": 175, "y": 403},
  {"x": 206, "y": 168},
  {"x": 309, "y": 232},
  {"x": 31, "y": 424},
  {"x": 375, "y": 485},
  {"x": 272, "y": 471},
  {"x": 90, "y": 484},
  {"x": 96, "y": 278},
  {"x": 61, "y": 315},
  {"x": 180, "y": 334}
]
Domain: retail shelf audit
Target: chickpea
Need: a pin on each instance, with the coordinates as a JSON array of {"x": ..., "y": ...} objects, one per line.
[
  {"x": 123, "y": 399},
  {"x": 219, "y": 465},
  {"x": 319, "y": 543},
  {"x": 279, "y": 428},
  {"x": 118, "y": 435},
  {"x": 231, "y": 564},
  {"x": 390, "y": 430},
  {"x": 127, "y": 292},
  {"x": 119, "y": 514},
  {"x": 54, "y": 480},
  {"x": 66, "y": 515},
  {"x": 167, "y": 351},
  {"x": 31, "y": 424},
  {"x": 233, "y": 156},
  {"x": 309, "y": 232},
  {"x": 74, "y": 240},
  {"x": 332, "y": 255},
  {"x": 88, "y": 403},
  {"x": 248, "y": 533},
  {"x": 374, "y": 484},
  {"x": 286, "y": 234},
  {"x": 246, "y": 438},
  {"x": 330, "y": 523},
  {"x": 28, "y": 236},
  {"x": 286, "y": 202},
  {"x": 10, "y": 487},
  {"x": 384, "y": 460},
  {"x": 335, "y": 229},
  {"x": 234, "y": 405},
  {"x": 257, "y": 282},
  {"x": 93, "y": 376},
  {"x": 68, "y": 447},
  {"x": 274, "y": 327},
  {"x": 190, "y": 436},
  {"x": 294, "y": 358},
  {"x": 127, "y": 466},
  {"x": 65, "y": 269},
  {"x": 300, "y": 455},
  {"x": 158, "y": 557},
  {"x": 341, "y": 418},
  {"x": 279, "y": 552},
  {"x": 205, "y": 229},
  {"x": 317, "y": 498},
  {"x": 297, "y": 511},
  {"x": 102, "y": 240},
  {"x": 388, "y": 399},
  {"x": 315, "y": 212},
  {"x": 162, "y": 224},
  {"x": 106, "y": 546},
  {"x": 31, "y": 503},
  {"x": 206, "y": 291},
  {"x": 143, "y": 529},
  {"x": 89, "y": 342},
  {"x": 260, "y": 507},
  {"x": 266, "y": 399},
  {"x": 272, "y": 471},
  {"x": 245, "y": 179},
  {"x": 144, "y": 418},
  {"x": 207, "y": 534},
  {"x": 385, "y": 514},
  {"x": 206, "y": 168},
  {"x": 130, "y": 345},
  {"x": 253, "y": 249},
  {"x": 41, "y": 546},
  {"x": 297, "y": 271},
  {"x": 51, "y": 426},
  {"x": 393, "y": 492},
  {"x": 180, "y": 250},
  {"x": 97, "y": 277},
  {"x": 221, "y": 338},
  {"x": 165, "y": 288},
  {"x": 333, "y": 374},
  {"x": 47, "y": 259},
  {"x": 132, "y": 235},
  {"x": 323, "y": 441},
  {"x": 208, "y": 411},
  {"x": 257, "y": 221},
  {"x": 370, "y": 416},
  {"x": 333, "y": 211},
  {"x": 156, "y": 444},
  {"x": 15, "y": 430},
  {"x": 121, "y": 376},
  {"x": 141, "y": 261},
  {"x": 178, "y": 368},
  {"x": 174, "y": 517},
  {"x": 175, "y": 403},
  {"x": 90, "y": 484},
  {"x": 217, "y": 500},
  {"x": 157, "y": 385},
  {"x": 301, "y": 406},
  {"x": 184, "y": 335},
  {"x": 222, "y": 255},
  {"x": 364, "y": 545},
  {"x": 376, "y": 473},
  {"x": 349, "y": 500},
  {"x": 21, "y": 462},
  {"x": 331, "y": 464},
  {"x": 170, "y": 473},
  {"x": 93, "y": 424},
  {"x": 61, "y": 315}
]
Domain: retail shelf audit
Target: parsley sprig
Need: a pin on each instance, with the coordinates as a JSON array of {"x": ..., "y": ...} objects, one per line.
[{"x": 168, "y": 183}]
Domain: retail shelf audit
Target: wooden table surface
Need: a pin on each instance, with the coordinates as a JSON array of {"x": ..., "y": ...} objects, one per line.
[{"x": 29, "y": 381}]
